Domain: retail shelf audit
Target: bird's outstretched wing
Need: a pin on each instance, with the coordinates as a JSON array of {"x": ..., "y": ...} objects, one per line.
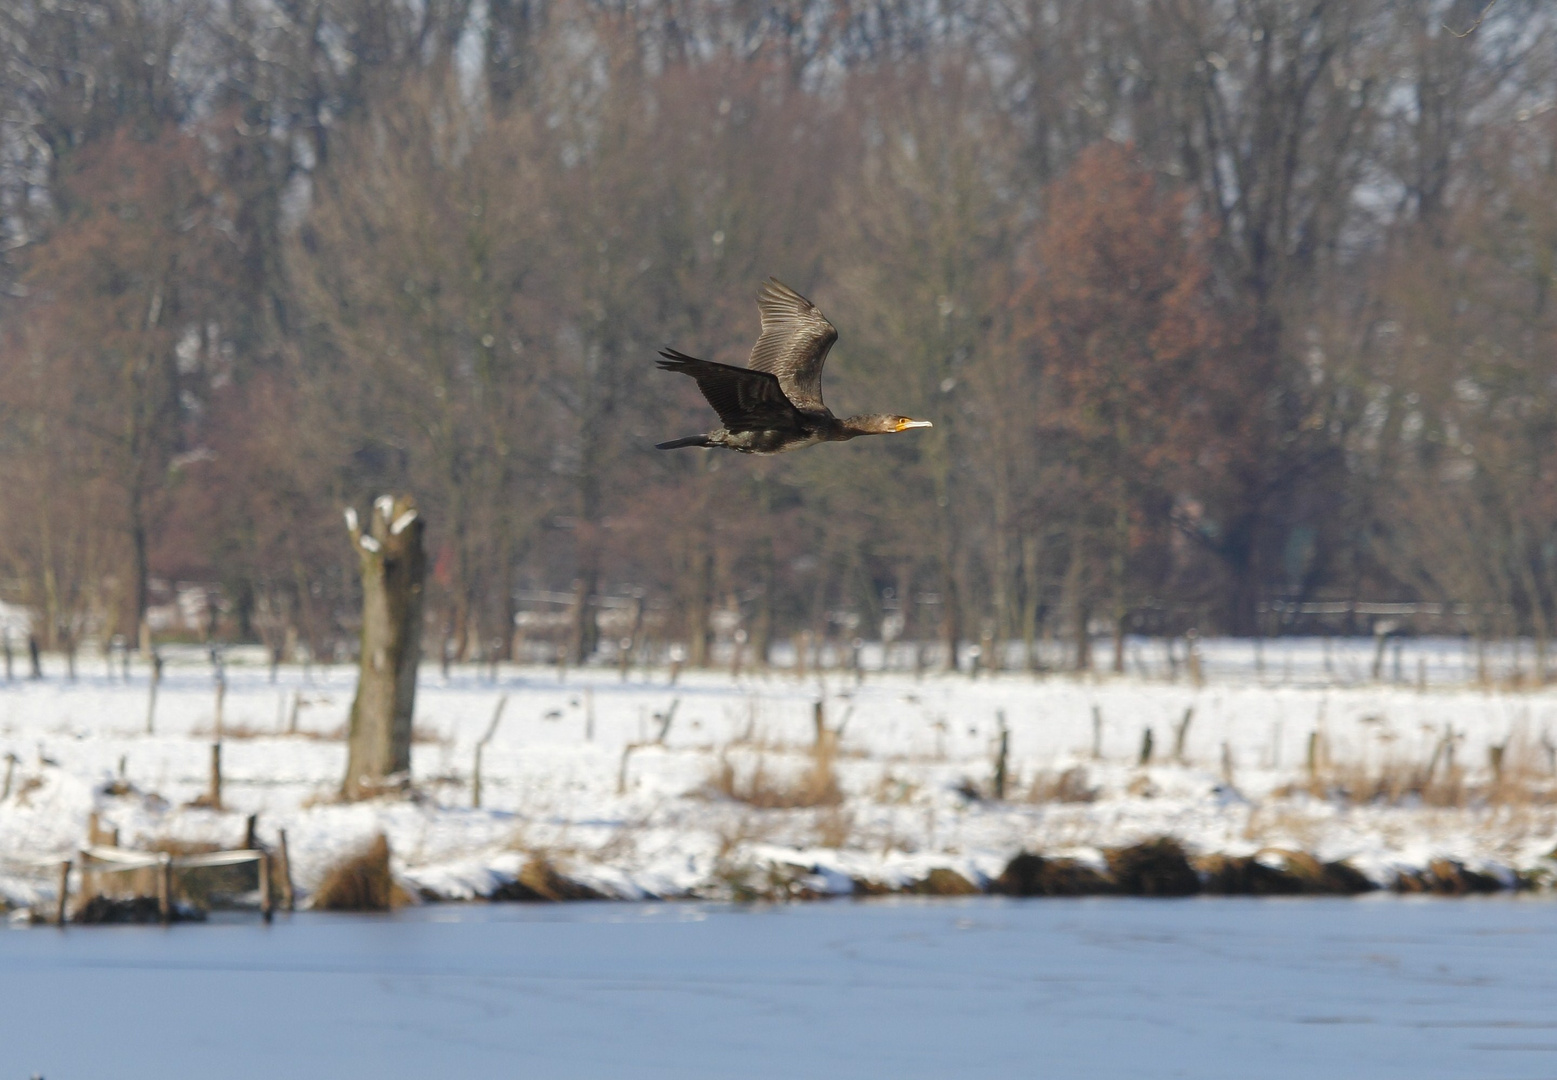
[
  {"x": 793, "y": 344},
  {"x": 745, "y": 400}
]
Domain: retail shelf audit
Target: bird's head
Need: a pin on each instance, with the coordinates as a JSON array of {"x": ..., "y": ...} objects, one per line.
[{"x": 881, "y": 424}]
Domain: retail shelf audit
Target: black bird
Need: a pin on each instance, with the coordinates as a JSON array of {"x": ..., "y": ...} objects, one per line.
[{"x": 775, "y": 404}]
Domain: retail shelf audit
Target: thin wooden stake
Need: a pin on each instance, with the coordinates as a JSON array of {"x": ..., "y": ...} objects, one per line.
[
  {"x": 64, "y": 893},
  {"x": 665, "y": 721},
  {"x": 1179, "y": 734},
  {"x": 1000, "y": 760},
  {"x": 165, "y": 888},
  {"x": 475, "y": 776},
  {"x": 264, "y": 886},
  {"x": 215, "y": 794},
  {"x": 621, "y": 774},
  {"x": 151, "y": 704},
  {"x": 288, "y": 898}
]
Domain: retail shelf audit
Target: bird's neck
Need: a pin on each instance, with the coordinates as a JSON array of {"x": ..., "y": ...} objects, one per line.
[{"x": 868, "y": 424}]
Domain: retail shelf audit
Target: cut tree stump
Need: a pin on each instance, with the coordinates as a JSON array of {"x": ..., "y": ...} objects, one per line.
[{"x": 393, "y": 565}]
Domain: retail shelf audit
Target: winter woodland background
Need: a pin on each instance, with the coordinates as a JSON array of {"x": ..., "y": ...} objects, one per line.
[{"x": 1231, "y": 315}]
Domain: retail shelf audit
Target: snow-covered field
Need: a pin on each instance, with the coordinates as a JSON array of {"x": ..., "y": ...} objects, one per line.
[{"x": 559, "y": 781}]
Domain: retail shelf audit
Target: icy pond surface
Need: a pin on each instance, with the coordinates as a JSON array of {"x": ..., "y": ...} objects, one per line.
[{"x": 1204, "y": 988}]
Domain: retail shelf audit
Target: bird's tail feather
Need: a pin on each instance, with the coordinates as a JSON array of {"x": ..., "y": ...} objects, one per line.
[{"x": 690, "y": 440}]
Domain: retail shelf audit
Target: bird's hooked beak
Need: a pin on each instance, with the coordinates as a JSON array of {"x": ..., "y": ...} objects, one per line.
[{"x": 904, "y": 425}]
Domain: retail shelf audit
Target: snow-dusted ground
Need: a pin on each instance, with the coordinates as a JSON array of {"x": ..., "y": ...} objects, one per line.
[{"x": 555, "y": 784}]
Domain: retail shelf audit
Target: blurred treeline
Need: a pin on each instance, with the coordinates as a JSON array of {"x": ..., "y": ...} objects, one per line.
[{"x": 1218, "y": 306}]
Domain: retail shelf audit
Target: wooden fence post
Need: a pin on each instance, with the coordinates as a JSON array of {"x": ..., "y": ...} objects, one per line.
[
  {"x": 1180, "y": 733},
  {"x": 151, "y": 702},
  {"x": 1000, "y": 761},
  {"x": 215, "y": 794},
  {"x": 64, "y": 893},
  {"x": 165, "y": 888},
  {"x": 287, "y": 896},
  {"x": 264, "y": 886},
  {"x": 481, "y": 743}
]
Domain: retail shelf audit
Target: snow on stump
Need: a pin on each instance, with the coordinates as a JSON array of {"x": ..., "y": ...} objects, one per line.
[{"x": 393, "y": 566}]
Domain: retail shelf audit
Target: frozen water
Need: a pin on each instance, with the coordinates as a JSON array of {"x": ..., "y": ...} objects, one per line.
[{"x": 1209, "y": 989}]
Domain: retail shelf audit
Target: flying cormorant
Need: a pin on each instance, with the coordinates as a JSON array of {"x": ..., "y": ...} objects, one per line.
[{"x": 774, "y": 404}]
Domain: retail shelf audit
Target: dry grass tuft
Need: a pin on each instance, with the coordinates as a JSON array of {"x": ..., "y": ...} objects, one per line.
[
  {"x": 834, "y": 827},
  {"x": 1279, "y": 873},
  {"x": 539, "y": 880},
  {"x": 1154, "y": 868},
  {"x": 1445, "y": 877},
  {"x": 1033, "y": 875},
  {"x": 1069, "y": 786},
  {"x": 361, "y": 882},
  {"x": 943, "y": 882},
  {"x": 816, "y": 785},
  {"x": 1520, "y": 772},
  {"x": 892, "y": 790}
]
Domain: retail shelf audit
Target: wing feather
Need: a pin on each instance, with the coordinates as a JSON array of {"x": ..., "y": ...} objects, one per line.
[
  {"x": 745, "y": 400},
  {"x": 793, "y": 344}
]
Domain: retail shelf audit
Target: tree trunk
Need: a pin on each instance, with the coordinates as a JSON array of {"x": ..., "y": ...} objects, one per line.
[{"x": 393, "y": 565}]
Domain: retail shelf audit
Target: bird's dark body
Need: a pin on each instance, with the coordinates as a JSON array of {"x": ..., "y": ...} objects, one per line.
[
  {"x": 769, "y": 441},
  {"x": 775, "y": 404}
]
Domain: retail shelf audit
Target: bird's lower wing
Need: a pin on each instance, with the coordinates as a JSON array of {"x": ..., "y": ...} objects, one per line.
[{"x": 745, "y": 400}]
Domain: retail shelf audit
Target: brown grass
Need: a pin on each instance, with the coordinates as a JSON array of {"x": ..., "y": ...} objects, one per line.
[
  {"x": 539, "y": 880},
  {"x": 1034, "y": 875},
  {"x": 816, "y": 785},
  {"x": 1515, "y": 775},
  {"x": 361, "y": 882},
  {"x": 1068, "y": 786},
  {"x": 834, "y": 827},
  {"x": 943, "y": 882},
  {"x": 1154, "y": 868}
]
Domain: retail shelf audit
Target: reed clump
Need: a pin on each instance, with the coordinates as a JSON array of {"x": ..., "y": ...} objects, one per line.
[
  {"x": 1035, "y": 875},
  {"x": 361, "y": 882},
  {"x": 1279, "y": 872},
  {"x": 540, "y": 881},
  {"x": 1157, "y": 867},
  {"x": 943, "y": 881}
]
